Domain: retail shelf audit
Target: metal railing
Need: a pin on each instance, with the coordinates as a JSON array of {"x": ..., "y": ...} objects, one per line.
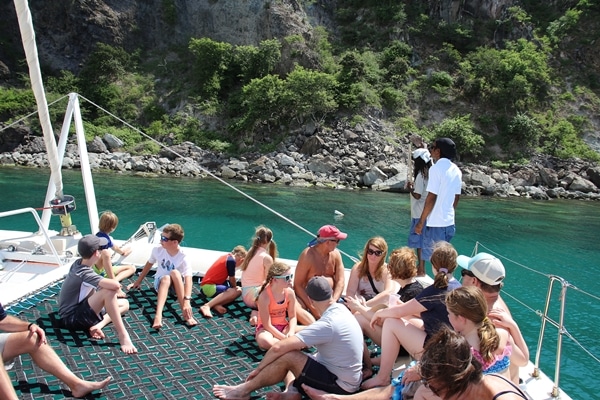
[{"x": 558, "y": 324}]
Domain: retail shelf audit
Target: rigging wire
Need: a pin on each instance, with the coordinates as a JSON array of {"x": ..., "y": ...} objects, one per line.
[{"x": 139, "y": 131}]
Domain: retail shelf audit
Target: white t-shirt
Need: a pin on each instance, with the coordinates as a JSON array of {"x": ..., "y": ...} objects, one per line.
[
  {"x": 416, "y": 205},
  {"x": 165, "y": 263},
  {"x": 445, "y": 181}
]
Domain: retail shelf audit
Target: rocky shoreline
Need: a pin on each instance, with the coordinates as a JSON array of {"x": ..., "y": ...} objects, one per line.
[{"x": 335, "y": 157}]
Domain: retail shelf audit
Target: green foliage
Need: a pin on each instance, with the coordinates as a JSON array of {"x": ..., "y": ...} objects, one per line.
[
  {"x": 262, "y": 102},
  {"x": 562, "y": 139},
  {"x": 17, "y": 102},
  {"x": 395, "y": 61},
  {"x": 517, "y": 77},
  {"x": 461, "y": 130},
  {"x": 63, "y": 84},
  {"x": 129, "y": 137},
  {"x": 256, "y": 62},
  {"x": 309, "y": 94},
  {"x": 559, "y": 28},
  {"x": 524, "y": 133},
  {"x": 212, "y": 60}
]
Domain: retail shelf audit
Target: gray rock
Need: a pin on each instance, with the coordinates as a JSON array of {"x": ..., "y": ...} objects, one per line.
[
  {"x": 227, "y": 172},
  {"x": 112, "y": 142},
  {"x": 97, "y": 146},
  {"x": 582, "y": 185},
  {"x": 374, "y": 175}
]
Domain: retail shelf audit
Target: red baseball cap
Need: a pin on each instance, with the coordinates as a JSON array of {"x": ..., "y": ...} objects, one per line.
[{"x": 330, "y": 231}]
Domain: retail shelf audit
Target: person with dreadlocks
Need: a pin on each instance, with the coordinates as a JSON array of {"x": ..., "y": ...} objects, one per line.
[
  {"x": 418, "y": 193},
  {"x": 256, "y": 267}
]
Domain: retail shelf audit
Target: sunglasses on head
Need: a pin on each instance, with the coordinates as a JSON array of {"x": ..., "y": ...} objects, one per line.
[
  {"x": 372, "y": 252},
  {"x": 287, "y": 278}
]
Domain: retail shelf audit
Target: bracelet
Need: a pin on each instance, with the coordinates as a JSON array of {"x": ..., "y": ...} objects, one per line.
[{"x": 29, "y": 326}]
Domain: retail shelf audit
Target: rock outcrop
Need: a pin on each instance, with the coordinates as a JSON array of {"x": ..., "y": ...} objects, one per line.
[{"x": 369, "y": 155}]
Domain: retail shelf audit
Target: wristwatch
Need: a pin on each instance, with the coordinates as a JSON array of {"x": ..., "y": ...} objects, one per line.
[{"x": 187, "y": 297}]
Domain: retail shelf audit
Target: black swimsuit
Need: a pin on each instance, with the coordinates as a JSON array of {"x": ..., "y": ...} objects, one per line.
[{"x": 519, "y": 392}]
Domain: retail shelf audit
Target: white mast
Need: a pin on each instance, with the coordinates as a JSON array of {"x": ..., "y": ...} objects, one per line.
[{"x": 37, "y": 85}]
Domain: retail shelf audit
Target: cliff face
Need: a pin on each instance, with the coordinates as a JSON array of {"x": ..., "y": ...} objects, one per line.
[{"x": 67, "y": 30}]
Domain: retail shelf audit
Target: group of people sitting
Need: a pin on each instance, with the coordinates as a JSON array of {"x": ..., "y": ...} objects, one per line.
[
  {"x": 391, "y": 307},
  {"x": 310, "y": 306}
]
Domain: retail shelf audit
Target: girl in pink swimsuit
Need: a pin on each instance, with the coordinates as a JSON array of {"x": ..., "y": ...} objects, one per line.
[{"x": 276, "y": 307}]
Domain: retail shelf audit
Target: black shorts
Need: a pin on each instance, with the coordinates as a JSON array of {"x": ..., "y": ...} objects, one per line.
[
  {"x": 83, "y": 318},
  {"x": 318, "y": 376}
]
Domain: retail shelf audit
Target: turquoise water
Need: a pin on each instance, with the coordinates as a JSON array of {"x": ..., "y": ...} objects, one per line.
[{"x": 551, "y": 237}]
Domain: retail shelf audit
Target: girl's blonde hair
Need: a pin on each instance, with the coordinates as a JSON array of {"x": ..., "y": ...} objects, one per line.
[
  {"x": 403, "y": 263},
  {"x": 262, "y": 236},
  {"x": 108, "y": 222},
  {"x": 363, "y": 264},
  {"x": 277, "y": 269},
  {"x": 469, "y": 302},
  {"x": 443, "y": 258}
]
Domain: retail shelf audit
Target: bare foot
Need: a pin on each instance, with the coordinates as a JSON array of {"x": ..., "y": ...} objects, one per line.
[
  {"x": 230, "y": 392},
  {"x": 316, "y": 394},
  {"x": 96, "y": 333},
  {"x": 376, "y": 381},
  {"x": 287, "y": 395},
  {"x": 128, "y": 347},
  {"x": 82, "y": 388},
  {"x": 205, "y": 311},
  {"x": 220, "y": 309},
  {"x": 191, "y": 322},
  {"x": 253, "y": 318},
  {"x": 157, "y": 324},
  {"x": 121, "y": 294}
]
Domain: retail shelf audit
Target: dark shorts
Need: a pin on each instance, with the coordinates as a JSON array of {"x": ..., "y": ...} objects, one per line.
[
  {"x": 317, "y": 376},
  {"x": 83, "y": 318}
]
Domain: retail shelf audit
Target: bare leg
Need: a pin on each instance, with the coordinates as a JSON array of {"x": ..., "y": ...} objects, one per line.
[
  {"x": 270, "y": 375},
  {"x": 379, "y": 393},
  {"x": 114, "y": 308},
  {"x": 396, "y": 332},
  {"x": 7, "y": 391},
  {"x": 47, "y": 359},
  {"x": 177, "y": 282},
  {"x": 220, "y": 300},
  {"x": 421, "y": 264},
  {"x": 161, "y": 299},
  {"x": 303, "y": 315}
]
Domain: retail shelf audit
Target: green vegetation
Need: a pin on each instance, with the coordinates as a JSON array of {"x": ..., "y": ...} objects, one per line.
[{"x": 516, "y": 83}]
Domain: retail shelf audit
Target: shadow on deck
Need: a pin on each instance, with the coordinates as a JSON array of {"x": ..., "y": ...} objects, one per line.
[{"x": 175, "y": 363}]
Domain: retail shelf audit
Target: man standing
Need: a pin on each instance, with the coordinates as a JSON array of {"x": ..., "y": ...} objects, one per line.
[
  {"x": 337, "y": 366},
  {"x": 444, "y": 188},
  {"x": 320, "y": 258}
]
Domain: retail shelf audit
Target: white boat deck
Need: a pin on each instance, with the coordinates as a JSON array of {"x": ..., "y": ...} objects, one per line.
[{"x": 28, "y": 265}]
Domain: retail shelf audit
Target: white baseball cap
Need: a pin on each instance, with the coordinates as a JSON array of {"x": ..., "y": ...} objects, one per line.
[{"x": 487, "y": 268}]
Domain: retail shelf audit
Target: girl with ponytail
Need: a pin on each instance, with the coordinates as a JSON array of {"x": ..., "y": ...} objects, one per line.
[
  {"x": 276, "y": 307},
  {"x": 467, "y": 312},
  {"x": 256, "y": 266}
]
